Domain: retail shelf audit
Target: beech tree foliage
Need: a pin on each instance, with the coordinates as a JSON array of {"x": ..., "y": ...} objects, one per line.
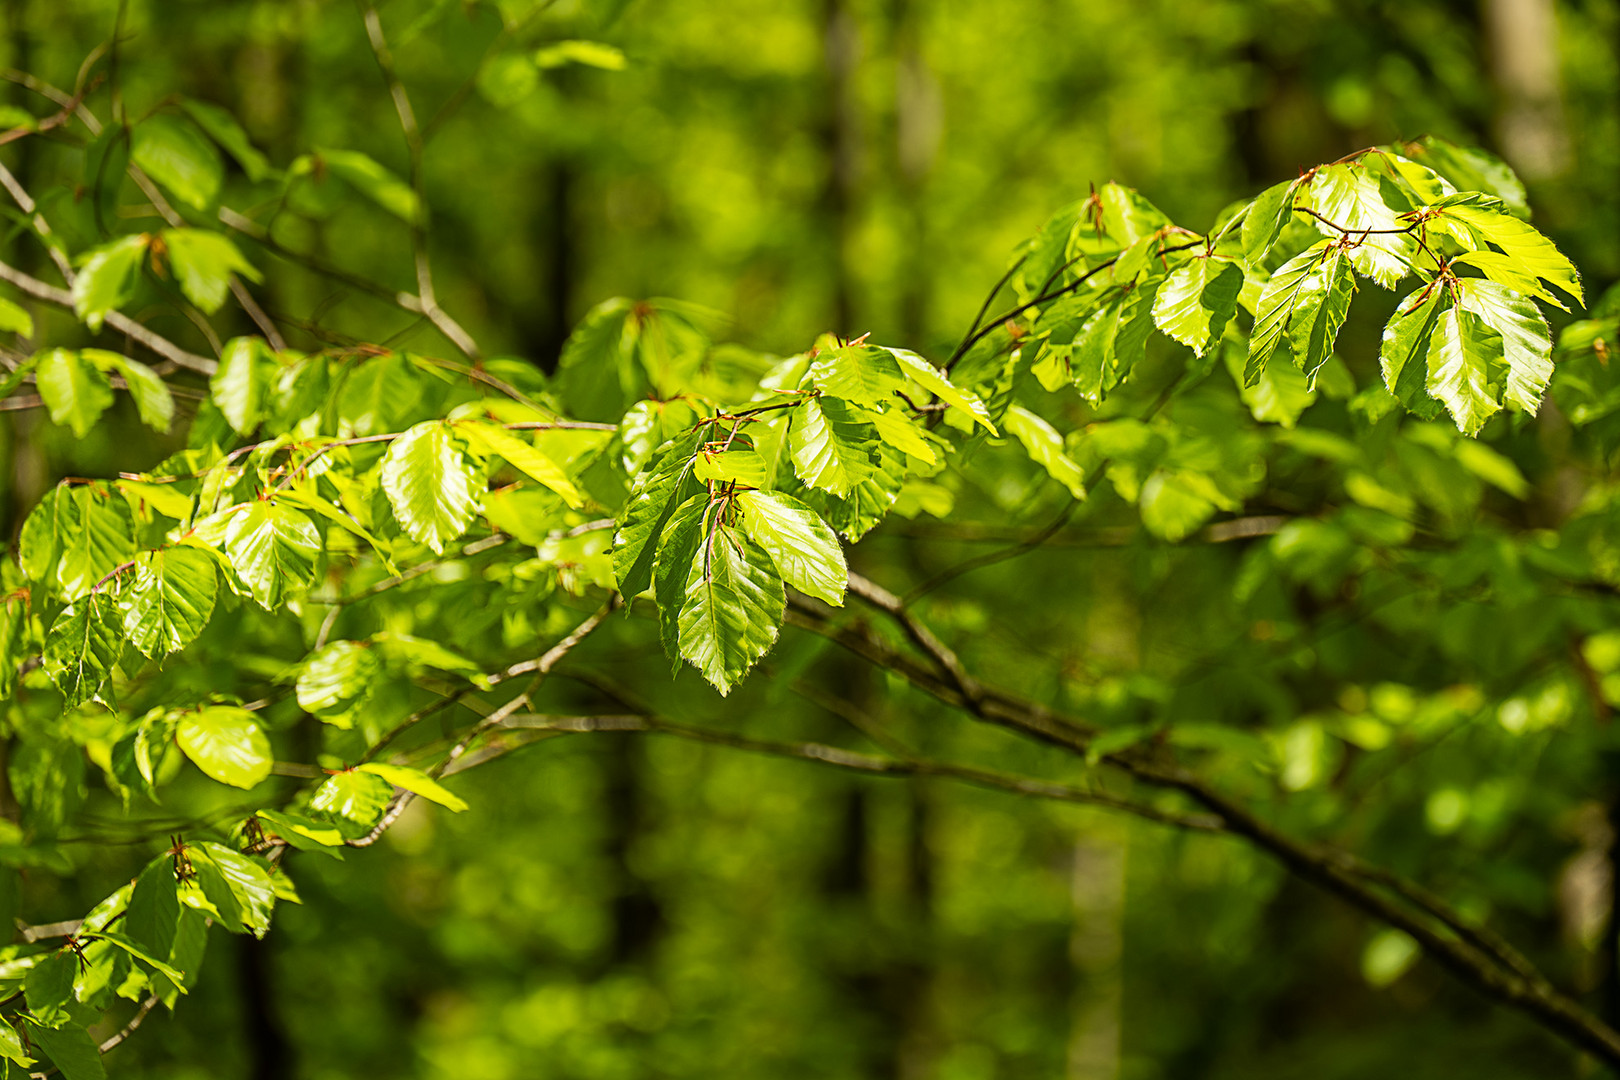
[{"x": 187, "y": 616}]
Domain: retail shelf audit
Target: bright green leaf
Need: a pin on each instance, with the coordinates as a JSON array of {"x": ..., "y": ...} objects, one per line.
[
  {"x": 226, "y": 743},
  {"x": 431, "y": 485}
]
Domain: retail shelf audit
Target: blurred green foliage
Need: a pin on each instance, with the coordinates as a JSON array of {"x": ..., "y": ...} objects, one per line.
[{"x": 631, "y": 906}]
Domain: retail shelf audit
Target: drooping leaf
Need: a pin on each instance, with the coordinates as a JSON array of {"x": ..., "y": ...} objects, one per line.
[
  {"x": 418, "y": 783},
  {"x": 1045, "y": 448},
  {"x": 1276, "y": 306},
  {"x": 74, "y": 391},
  {"x": 803, "y": 547},
  {"x": 140, "y": 952},
  {"x": 431, "y": 485},
  {"x": 1279, "y": 396},
  {"x": 226, "y": 743},
  {"x": 169, "y": 599},
  {"x": 1526, "y": 341},
  {"x": 1265, "y": 220},
  {"x": 154, "y": 907},
  {"x": 678, "y": 548},
  {"x": 831, "y": 449},
  {"x": 107, "y": 276},
  {"x": 1461, "y": 357},
  {"x": 175, "y": 154},
  {"x": 81, "y": 648},
  {"x": 652, "y": 500},
  {"x": 1197, "y": 300},
  {"x": 523, "y": 456},
  {"x": 1404, "y": 353},
  {"x": 733, "y": 608},
  {"x": 151, "y": 394},
  {"x": 238, "y": 386},
  {"x": 272, "y": 547},
  {"x": 203, "y": 262},
  {"x": 1320, "y": 307}
]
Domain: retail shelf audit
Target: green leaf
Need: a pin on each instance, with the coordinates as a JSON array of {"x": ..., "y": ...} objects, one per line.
[
  {"x": 312, "y": 501},
  {"x": 1320, "y": 307},
  {"x": 249, "y": 883},
  {"x": 373, "y": 181},
  {"x": 48, "y": 987},
  {"x": 226, "y": 743},
  {"x": 523, "y": 456},
  {"x": 81, "y": 648},
  {"x": 1349, "y": 195},
  {"x": 933, "y": 380},
  {"x": 1045, "y": 448},
  {"x": 898, "y": 430},
  {"x": 272, "y": 547},
  {"x": 1506, "y": 270},
  {"x": 203, "y": 262},
  {"x": 355, "y": 796},
  {"x": 222, "y": 127},
  {"x": 152, "y": 398},
  {"x": 831, "y": 450},
  {"x": 416, "y": 782},
  {"x": 1197, "y": 300},
  {"x": 15, "y": 318},
  {"x": 652, "y": 500},
  {"x": 107, "y": 277},
  {"x": 239, "y": 384},
  {"x": 1404, "y": 352},
  {"x": 1276, "y": 306},
  {"x": 154, "y": 907},
  {"x": 1126, "y": 216},
  {"x": 431, "y": 485},
  {"x": 172, "y": 152},
  {"x": 1475, "y": 220},
  {"x": 301, "y": 832},
  {"x": 733, "y": 608},
  {"x": 169, "y": 599},
  {"x": 144, "y": 955},
  {"x": 74, "y": 391},
  {"x": 1470, "y": 169},
  {"x": 94, "y": 533},
  {"x": 71, "y": 1050},
  {"x": 1461, "y": 356},
  {"x": 1265, "y": 220},
  {"x": 1526, "y": 341},
  {"x": 336, "y": 679},
  {"x": 803, "y": 547},
  {"x": 1279, "y": 396},
  {"x": 11, "y": 1047},
  {"x": 1176, "y": 503},
  {"x": 864, "y": 374},
  {"x": 678, "y": 547},
  {"x": 744, "y": 467},
  {"x": 590, "y": 53},
  {"x": 417, "y": 653}
]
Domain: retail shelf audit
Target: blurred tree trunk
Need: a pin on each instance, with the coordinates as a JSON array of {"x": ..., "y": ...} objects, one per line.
[
  {"x": 1096, "y": 949},
  {"x": 1524, "y": 62}
]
